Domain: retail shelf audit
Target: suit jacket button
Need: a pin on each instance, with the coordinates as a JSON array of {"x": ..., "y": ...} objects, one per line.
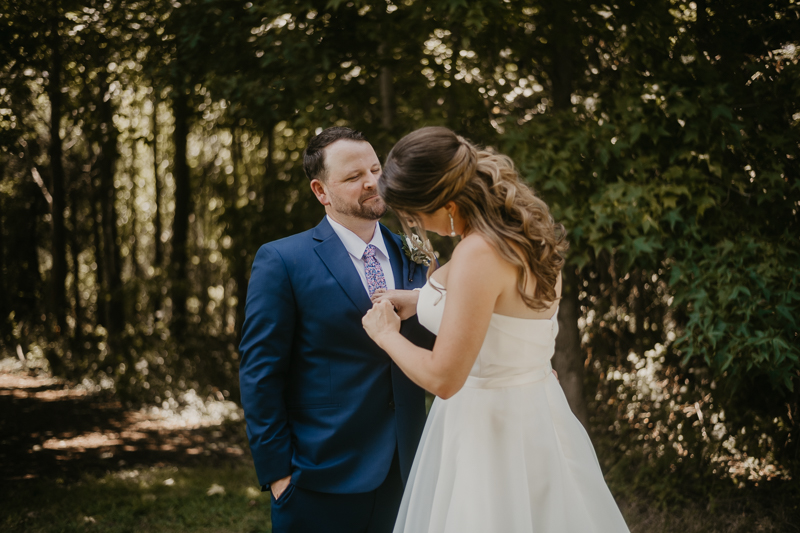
[{"x": 391, "y": 404}]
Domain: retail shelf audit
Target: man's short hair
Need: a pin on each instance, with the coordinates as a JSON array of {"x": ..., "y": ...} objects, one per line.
[{"x": 314, "y": 154}]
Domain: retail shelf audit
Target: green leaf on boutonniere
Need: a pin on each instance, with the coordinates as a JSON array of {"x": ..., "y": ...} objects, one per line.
[{"x": 414, "y": 249}]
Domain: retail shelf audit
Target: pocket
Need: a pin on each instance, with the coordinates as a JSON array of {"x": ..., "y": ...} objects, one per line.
[{"x": 284, "y": 495}]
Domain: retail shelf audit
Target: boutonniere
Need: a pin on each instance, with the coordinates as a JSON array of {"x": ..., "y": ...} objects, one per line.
[{"x": 414, "y": 249}]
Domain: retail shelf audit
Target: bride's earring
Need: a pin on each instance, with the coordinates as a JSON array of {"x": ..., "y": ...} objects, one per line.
[{"x": 452, "y": 226}]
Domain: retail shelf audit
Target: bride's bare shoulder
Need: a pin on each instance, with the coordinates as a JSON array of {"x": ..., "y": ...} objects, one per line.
[
  {"x": 477, "y": 250},
  {"x": 474, "y": 243}
]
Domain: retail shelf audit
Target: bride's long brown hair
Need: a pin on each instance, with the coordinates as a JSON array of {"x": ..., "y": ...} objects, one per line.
[{"x": 432, "y": 166}]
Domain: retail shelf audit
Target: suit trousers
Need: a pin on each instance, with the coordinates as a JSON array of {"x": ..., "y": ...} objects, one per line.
[{"x": 306, "y": 511}]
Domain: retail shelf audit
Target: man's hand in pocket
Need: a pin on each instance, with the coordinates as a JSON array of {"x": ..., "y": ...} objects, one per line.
[{"x": 277, "y": 487}]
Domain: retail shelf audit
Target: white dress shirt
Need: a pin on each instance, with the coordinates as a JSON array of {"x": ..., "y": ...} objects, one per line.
[{"x": 355, "y": 248}]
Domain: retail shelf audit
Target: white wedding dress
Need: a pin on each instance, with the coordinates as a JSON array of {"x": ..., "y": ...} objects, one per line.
[{"x": 505, "y": 454}]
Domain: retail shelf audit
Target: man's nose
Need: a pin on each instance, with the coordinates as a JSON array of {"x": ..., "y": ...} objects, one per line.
[{"x": 371, "y": 182}]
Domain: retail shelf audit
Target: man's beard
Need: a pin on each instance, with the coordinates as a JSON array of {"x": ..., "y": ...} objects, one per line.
[{"x": 373, "y": 210}]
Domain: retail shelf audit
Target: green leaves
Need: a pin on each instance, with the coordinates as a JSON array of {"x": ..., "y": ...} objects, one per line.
[
  {"x": 685, "y": 177},
  {"x": 737, "y": 284}
]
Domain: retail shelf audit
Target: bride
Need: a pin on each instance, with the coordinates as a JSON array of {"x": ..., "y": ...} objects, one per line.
[{"x": 501, "y": 451}]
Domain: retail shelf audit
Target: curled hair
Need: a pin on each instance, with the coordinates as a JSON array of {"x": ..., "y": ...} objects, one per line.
[{"x": 432, "y": 166}]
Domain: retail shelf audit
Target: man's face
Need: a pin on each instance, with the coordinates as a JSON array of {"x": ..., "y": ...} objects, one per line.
[{"x": 351, "y": 186}]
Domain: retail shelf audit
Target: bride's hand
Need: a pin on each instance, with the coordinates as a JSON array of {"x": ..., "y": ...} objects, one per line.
[
  {"x": 404, "y": 302},
  {"x": 380, "y": 320}
]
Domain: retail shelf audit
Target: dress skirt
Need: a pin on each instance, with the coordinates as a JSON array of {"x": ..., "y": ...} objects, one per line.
[{"x": 508, "y": 457}]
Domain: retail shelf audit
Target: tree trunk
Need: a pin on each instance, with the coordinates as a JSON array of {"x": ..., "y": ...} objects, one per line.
[
  {"x": 101, "y": 314},
  {"x": 269, "y": 167},
  {"x": 239, "y": 258},
  {"x": 454, "y": 115},
  {"x": 158, "y": 260},
  {"x": 115, "y": 316},
  {"x": 58, "y": 273},
  {"x": 562, "y": 76},
  {"x": 77, "y": 331},
  {"x": 569, "y": 358},
  {"x": 180, "y": 224},
  {"x": 5, "y": 308},
  {"x": 32, "y": 285},
  {"x": 387, "y": 88},
  {"x": 159, "y": 245},
  {"x": 28, "y": 289},
  {"x": 137, "y": 273}
]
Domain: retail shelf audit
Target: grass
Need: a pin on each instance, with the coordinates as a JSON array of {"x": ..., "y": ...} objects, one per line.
[
  {"x": 198, "y": 486},
  {"x": 749, "y": 512},
  {"x": 166, "y": 499},
  {"x": 190, "y": 499}
]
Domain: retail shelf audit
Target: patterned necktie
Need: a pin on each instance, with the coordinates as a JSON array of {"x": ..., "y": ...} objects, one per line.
[{"x": 373, "y": 270}]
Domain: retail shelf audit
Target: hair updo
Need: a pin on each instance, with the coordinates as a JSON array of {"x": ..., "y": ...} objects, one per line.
[{"x": 432, "y": 166}]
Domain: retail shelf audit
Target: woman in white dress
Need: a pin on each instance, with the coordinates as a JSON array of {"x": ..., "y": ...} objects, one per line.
[{"x": 501, "y": 451}]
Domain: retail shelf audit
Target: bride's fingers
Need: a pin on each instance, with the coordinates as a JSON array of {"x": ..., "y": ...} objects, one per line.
[
  {"x": 378, "y": 295},
  {"x": 386, "y": 308}
]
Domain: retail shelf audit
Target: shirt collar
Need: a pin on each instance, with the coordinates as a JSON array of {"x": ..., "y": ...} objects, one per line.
[{"x": 353, "y": 243}]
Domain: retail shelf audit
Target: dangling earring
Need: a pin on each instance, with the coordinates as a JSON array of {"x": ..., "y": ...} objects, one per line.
[{"x": 452, "y": 227}]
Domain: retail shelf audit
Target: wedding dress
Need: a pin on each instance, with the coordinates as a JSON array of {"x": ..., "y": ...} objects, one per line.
[{"x": 505, "y": 454}]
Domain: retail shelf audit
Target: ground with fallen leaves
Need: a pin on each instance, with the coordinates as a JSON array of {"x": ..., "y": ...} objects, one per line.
[
  {"x": 49, "y": 430},
  {"x": 73, "y": 460}
]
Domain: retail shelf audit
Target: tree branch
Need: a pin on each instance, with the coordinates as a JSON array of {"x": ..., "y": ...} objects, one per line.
[{"x": 40, "y": 182}]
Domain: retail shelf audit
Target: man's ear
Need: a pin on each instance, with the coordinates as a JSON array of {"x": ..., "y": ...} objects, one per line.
[{"x": 319, "y": 190}]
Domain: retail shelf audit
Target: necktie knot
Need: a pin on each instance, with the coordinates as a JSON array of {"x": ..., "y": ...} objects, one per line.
[{"x": 370, "y": 251}]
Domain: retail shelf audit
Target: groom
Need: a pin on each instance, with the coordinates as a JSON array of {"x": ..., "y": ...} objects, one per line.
[{"x": 333, "y": 423}]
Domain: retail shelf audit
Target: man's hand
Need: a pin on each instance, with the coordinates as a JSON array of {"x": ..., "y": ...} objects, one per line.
[{"x": 277, "y": 487}]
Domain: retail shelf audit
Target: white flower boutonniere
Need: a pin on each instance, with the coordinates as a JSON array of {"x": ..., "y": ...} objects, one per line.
[{"x": 414, "y": 248}]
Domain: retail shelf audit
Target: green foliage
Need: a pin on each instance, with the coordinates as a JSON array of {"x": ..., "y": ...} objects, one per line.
[
  {"x": 677, "y": 180},
  {"x": 664, "y": 136},
  {"x": 677, "y": 175}
]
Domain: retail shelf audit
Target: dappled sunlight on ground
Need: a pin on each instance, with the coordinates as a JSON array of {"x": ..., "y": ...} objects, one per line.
[{"x": 52, "y": 431}]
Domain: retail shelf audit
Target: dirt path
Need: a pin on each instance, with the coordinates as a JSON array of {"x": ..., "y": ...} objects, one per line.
[{"x": 49, "y": 430}]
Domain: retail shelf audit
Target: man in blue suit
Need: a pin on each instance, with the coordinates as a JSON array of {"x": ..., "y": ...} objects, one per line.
[{"x": 333, "y": 423}]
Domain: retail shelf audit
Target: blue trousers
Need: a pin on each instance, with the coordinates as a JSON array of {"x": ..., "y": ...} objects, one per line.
[{"x": 306, "y": 511}]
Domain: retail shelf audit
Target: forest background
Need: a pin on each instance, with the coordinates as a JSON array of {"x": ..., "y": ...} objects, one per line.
[{"x": 148, "y": 148}]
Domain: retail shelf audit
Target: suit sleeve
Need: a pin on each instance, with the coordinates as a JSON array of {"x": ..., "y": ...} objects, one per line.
[{"x": 265, "y": 350}]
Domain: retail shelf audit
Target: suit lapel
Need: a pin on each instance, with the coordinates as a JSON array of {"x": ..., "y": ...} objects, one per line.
[
  {"x": 399, "y": 264},
  {"x": 337, "y": 260}
]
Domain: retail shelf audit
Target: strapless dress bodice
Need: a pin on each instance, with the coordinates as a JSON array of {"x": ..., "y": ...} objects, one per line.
[{"x": 512, "y": 347}]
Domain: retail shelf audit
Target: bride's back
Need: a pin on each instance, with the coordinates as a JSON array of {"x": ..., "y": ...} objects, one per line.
[{"x": 509, "y": 303}]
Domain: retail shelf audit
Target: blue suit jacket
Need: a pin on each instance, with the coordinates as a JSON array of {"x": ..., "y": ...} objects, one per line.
[{"x": 322, "y": 401}]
